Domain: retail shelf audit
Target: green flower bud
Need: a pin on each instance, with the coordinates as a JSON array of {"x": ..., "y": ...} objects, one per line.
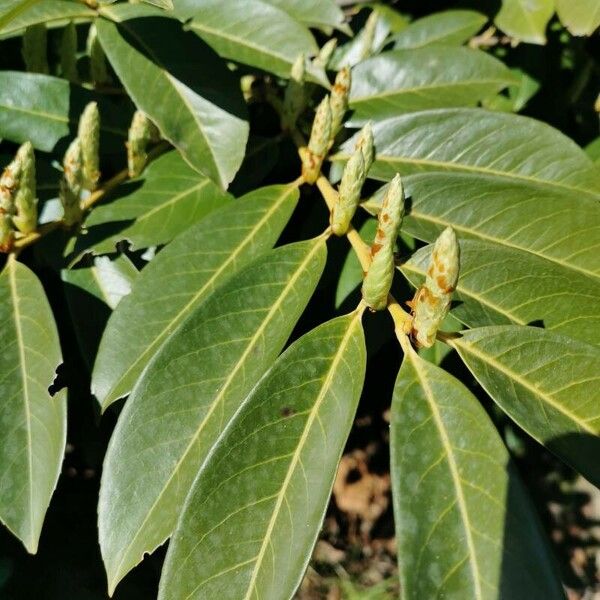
[
  {"x": 368, "y": 35},
  {"x": 8, "y": 184},
  {"x": 72, "y": 182},
  {"x": 349, "y": 193},
  {"x": 339, "y": 99},
  {"x": 7, "y": 232},
  {"x": 318, "y": 144},
  {"x": 34, "y": 49},
  {"x": 366, "y": 144},
  {"x": 378, "y": 280},
  {"x": 325, "y": 53},
  {"x": 432, "y": 301},
  {"x": 141, "y": 133},
  {"x": 25, "y": 198},
  {"x": 294, "y": 100},
  {"x": 68, "y": 52},
  {"x": 98, "y": 68},
  {"x": 89, "y": 136}
]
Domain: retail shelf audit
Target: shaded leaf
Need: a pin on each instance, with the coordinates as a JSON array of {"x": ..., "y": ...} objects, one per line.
[
  {"x": 500, "y": 285},
  {"x": 525, "y": 20},
  {"x": 314, "y": 13},
  {"x": 409, "y": 80},
  {"x": 464, "y": 524},
  {"x": 184, "y": 88},
  {"x": 180, "y": 278},
  {"x": 188, "y": 394},
  {"x": 452, "y": 27},
  {"x": 546, "y": 383},
  {"x": 267, "y": 483},
  {"x": 152, "y": 210},
  {"x": 581, "y": 17},
  {"x": 34, "y": 423}
]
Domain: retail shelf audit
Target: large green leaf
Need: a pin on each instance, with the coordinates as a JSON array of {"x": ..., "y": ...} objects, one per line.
[
  {"x": 251, "y": 32},
  {"x": 581, "y": 17},
  {"x": 184, "y": 87},
  {"x": 409, "y": 80},
  {"x": 189, "y": 393},
  {"x": 464, "y": 524},
  {"x": 451, "y": 27},
  {"x": 501, "y": 285},
  {"x": 566, "y": 229},
  {"x": 525, "y": 20},
  {"x": 46, "y": 11},
  {"x": 314, "y": 13},
  {"x": 547, "y": 383},
  {"x": 180, "y": 278},
  {"x": 45, "y": 109},
  {"x": 258, "y": 503},
  {"x": 168, "y": 198},
  {"x": 480, "y": 142},
  {"x": 34, "y": 423}
]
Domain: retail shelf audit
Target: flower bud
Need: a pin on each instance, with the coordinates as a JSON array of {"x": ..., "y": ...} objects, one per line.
[
  {"x": 318, "y": 144},
  {"x": 7, "y": 232},
  {"x": 325, "y": 53},
  {"x": 368, "y": 35},
  {"x": 34, "y": 49},
  {"x": 25, "y": 197},
  {"x": 294, "y": 100},
  {"x": 89, "y": 137},
  {"x": 432, "y": 301},
  {"x": 71, "y": 184},
  {"x": 349, "y": 193},
  {"x": 378, "y": 280},
  {"x": 339, "y": 99},
  {"x": 68, "y": 52},
  {"x": 141, "y": 133},
  {"x": 98, "y": 68},
  {"x": 366, "y": 144}
]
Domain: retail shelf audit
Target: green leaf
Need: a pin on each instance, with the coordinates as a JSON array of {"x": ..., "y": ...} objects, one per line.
[
  {"x": 324, "y": 14},
  {"x": 189, "y": 393},
  {"x": 34, "y": 423},
  {"x": 464, "y": 525},
  {"x": 581, "y": 17},
  {"x": 500, "y": 285},
  {"x": 480, "y": 142},
  {"x": 409, "y": 80},
  {"x": 152, "y": 210},
  {"x": 45, "y": 110},
  {"x": 451, "y": 27},
  {"x": 525, "y": 20},
  {"x": 93, "y": 292},
  {"x": 180, "y": 278},
  {"x": 546, "y": 383},
  {"x": 593, "y": 150},
  {"x": 270, "y": 476},
  {"x": 251, "y": 32},
  {"x": 184, "y": 88},
  {"x": 166, "y": 4},
  {"x": 47, "y": 12}
]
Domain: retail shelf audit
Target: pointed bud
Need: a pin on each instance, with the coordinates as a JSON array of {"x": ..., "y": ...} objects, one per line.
[
  {"x": 294, "y": 100},
  {"x": 98, "y": 68},
  {"x": 142, "y": 132},
  {"x": 34, "y": 49},
  {"x": 378, "y": 280},
  {"x": 368, "y": 35},
  {"x": 366, "y": 144},
  {"x": 89, "y": 137},
  {"x": 349, "y": 194},
  {"x": 339, "y": 99},
  {"x": 71, "y": 184},
  {"x": 432, "y": 301},
  {"x": 25, "y": 197},
  {"x": 325, "y": 53},
  {"x": 68, "y": 52},
  {"x": 318, "y": 143}
]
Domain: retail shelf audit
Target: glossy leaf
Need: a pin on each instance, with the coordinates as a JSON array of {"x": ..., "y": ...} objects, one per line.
[
  {"x": 496, "y": 288},
  {"x": 525, "y": 20},
  {"x": 401, "y": 81},
  {"x": 45, "y": 110},
  {"x": 451, "y": 27},
  {"x": 314, "y": 13},
  {"x": 166, "y": 4},
  {"x": 152, "y": 210},
  {"x": 480, "y": 142},
  {"x": 46, "y": 11},
  {"x": 266, "y": 486},
  {"x": 464, "y": 525},
  {"x": 180, "y": 278},
  {"x": 188, "y": 394},
  {"x": 253, "y": 32},
  {"x": 34, "y": 423},
  {"x": 547, "y": 383},
  {"x": 581, "y": 17},
  {"x": 184, "y": 88}
]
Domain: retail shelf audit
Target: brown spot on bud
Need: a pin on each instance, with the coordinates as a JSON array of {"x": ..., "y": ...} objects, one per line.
[
  {"x": 375, "y": 248},
  {"x": 385, "y": 217}
]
